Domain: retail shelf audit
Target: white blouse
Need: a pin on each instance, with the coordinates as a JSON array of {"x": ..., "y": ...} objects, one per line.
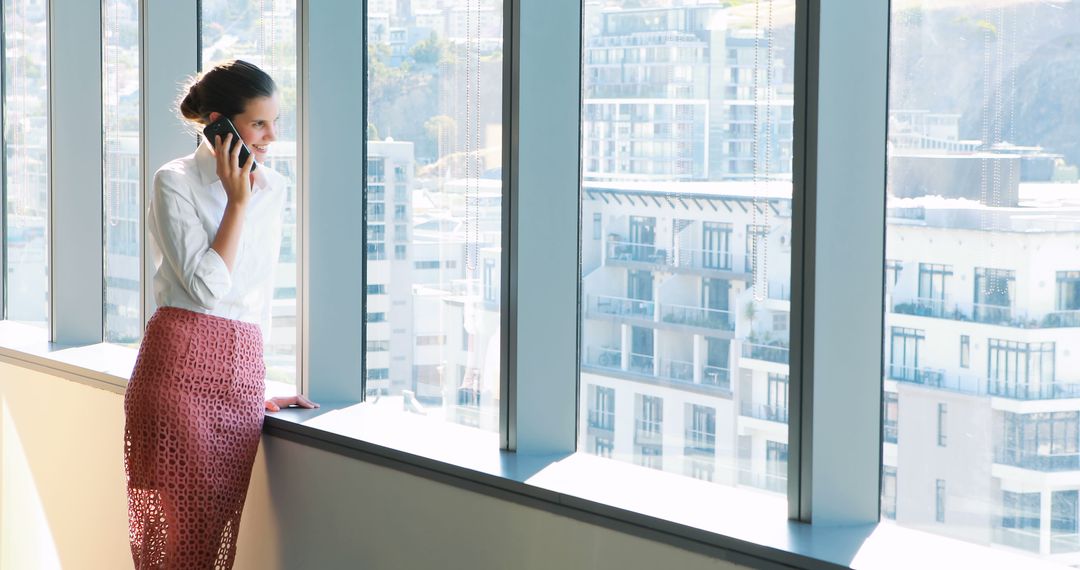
[{"x": 184, "y": 214}]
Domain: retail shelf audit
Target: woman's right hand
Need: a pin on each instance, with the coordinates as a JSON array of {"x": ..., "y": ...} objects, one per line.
[{"x": 235, "y": 178}]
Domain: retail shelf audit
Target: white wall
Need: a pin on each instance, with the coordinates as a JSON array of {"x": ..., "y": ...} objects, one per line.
[{"x": 62, "y": 503}]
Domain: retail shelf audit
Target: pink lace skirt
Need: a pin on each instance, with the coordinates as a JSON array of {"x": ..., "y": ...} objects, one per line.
[{"x": 194, "y": 410}]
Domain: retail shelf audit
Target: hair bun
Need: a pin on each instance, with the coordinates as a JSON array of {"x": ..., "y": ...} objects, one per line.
[{"x": 190, "y": 105}]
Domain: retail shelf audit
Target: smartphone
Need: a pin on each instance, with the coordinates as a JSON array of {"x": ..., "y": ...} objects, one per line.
[{"x": 223, "y": 126}]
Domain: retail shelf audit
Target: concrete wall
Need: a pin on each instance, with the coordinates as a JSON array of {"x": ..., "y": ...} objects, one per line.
[{"x": 62, "y": 503}]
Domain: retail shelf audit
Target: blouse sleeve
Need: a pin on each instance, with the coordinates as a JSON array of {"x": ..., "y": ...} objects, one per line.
[{"x": 184, "y": 243}]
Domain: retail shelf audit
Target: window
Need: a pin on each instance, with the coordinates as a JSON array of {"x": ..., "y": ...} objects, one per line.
[
  {"x": 891, "y": 405},
  {"x": 123, "y": 184},
  {"x": 904, "y": 356},
  {"x": 939, "y": 500},
  {"x": 673, "y": 172},
  {"x": 1068, "y": 291},
  {"x": 27, "y": 167},
  {"x": 932, "y": 281},
  {"x": 1022, "y": 370},
  {"x": 965, "y": 351},
  {"x": 376, "y": 289},
  {"x": 378, "y": 373},
  {"x": 776, "y": 466},
  {"x": 430, "y": 339},
  {"x": 1064, "y": 530},
  {"x": 378, "y": 345},
  {"x": 993, "y": 295},
  {"x": 888, "y": 492},
  {"x": 376, "y": 317},
  {"x": 444, "y": 146},
  {"x": 1046, "y": 441},
  {"x": 265, "y": 35},
  {"x": 1020, "y": 520},
  {"x": 602, "y": 409},
  {"x": 893, "y": 267},
  {"x": 942, "y": 425}
]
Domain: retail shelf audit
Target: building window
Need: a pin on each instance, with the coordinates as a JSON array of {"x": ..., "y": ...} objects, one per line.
[
  {"x": 942, "y": 427},
  {"x": 378, "y": 373},
  {"x": 965, "y": 351},
  {"x": 932, "y": 282},
  {"x": 378, "y": 346},
  {"x": 400, "y": 252},
  {"x": 376, "y": 251},
  {"x": 716, "y": 245},
  {"x": 776, "y": 466},
  {"x": 376, "y": 289},
  {"x": 490, "y": 287},
  {"x": 1021, "y": 520},
  {"x": 1021, "y": 370},
  {"x": 891, "y": 405},
  {"x": 939, "y": 501},
  {"x": 430, "y": 340},
  {"x": 701, "y": 430},
  {"x": 603, "y": 447},
  {"x": 1046, "y": 441},
  {"x": 904, "y": 356},
  {"x": 777, "y": 398},
  {"x": 376, "y": 317},
  {"x": 602, "y": 411},
  {"x": 597, "y": 226},
  {"x": 400, "y": 213},
  {"x": 893, "y": 267},
  {"x": 1064, "y": 531},
  {"x": 993, "y": 295},
  {"x": 888, "y": 492},
  {"x": 648, "y": 425},
  {"x": 1068, "y": 291}
]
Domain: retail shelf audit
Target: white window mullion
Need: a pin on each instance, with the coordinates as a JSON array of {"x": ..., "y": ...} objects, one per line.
[
  {"x": 76, "y": 255},
  {"x": 541, "y": 173},
  {"x": 839, "y": 228},
  {"x": 332, "y": 101},
  {"x": 169, "y": 53}
]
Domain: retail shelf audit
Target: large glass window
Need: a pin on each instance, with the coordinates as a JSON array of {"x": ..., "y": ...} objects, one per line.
[
  {"x": 26, "y": 165},
  {"x": 123, "y": 232},
  {"x": 686, "y": 163},
  {"x": 982, "y": 178},
  {"x": 434, "y": 96},
  {"x": 263, "y": 32}
]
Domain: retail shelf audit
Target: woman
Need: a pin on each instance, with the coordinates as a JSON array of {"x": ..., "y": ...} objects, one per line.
[{"x": 194, "y": 405}]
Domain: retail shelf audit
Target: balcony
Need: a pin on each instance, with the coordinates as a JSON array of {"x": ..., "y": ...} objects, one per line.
[
  {"x": 650, "y": 312},
  {"x": 932, "y": 377},
  {"x": 647, "y": 432},
  {"x": 766, "y": 412},
  {"x": 712, "y": 319},
  {"x": 767, "y": 481},
  {"x": 1042, "y": 391},
  {"x": 1047, "y": 463},
  {"x": 700, "y": 443},
  {"x": 1064, "y": 543},
  {"x": 602, "y": 420},
  {"x": 984, "y": 313},
  {"x": 1023, "y": 539},
  {"x": 646, "y": 367},
  {"x": 624, "y": 252},
  {"x": 776, "y": 351}
]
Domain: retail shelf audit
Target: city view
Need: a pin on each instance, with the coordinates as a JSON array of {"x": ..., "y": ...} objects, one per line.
[{"x": 687, "y": 118}]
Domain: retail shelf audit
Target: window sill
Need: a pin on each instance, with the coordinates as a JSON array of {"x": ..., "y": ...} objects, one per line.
[{"x": 743, "y": 526}]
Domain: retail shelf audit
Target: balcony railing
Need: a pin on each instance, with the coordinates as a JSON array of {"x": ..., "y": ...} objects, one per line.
[
  {"x": 675, "y": 258},
  {"x": 768, "y": 412},
  {"x": 767, "y": 481},
  {"x": 642, "y": 363},
  {"x": 700, "y": 442},
  {"x": 985, "y": 313},
  {"x": 1041, "y": 391},
  {"x": 1017, "y": 538},
  {"x": 1064, "y": 542},
  {"x": 647, "y": 431},
  {"x": 717, "y": 319},
  {"x": 1023, "y": 459},
  {"x": 716, "y": 376},
  {"x": 603, "y": 420},
  {"x": 624, "y": 307},
  {"x": 933, "y": 377},
  {"x": 775, "y": 352}
]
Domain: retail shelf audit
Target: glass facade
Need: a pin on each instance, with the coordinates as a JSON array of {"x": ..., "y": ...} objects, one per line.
[
  {"x": 686, "y": 166},
  {"x": 434, "y": 188},
  {"x": 981, "y": 434}
]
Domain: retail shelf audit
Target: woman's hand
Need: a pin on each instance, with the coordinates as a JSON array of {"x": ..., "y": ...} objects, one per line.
[
  {"x": 234, "y": 177},
  {"x": 275, "y": 404}
]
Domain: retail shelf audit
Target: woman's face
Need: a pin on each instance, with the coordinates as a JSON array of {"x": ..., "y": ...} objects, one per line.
[{"x": 257, "y": 125}]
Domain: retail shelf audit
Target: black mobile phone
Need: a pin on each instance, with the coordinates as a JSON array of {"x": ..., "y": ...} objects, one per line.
[{"x": 223, "y": 126}]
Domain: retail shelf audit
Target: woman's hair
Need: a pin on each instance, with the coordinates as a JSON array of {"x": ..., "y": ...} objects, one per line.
[{"x": 225, "y": 88}]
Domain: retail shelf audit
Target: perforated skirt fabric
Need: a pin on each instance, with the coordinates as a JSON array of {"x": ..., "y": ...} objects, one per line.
[{"x": 194, "y": 412}]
